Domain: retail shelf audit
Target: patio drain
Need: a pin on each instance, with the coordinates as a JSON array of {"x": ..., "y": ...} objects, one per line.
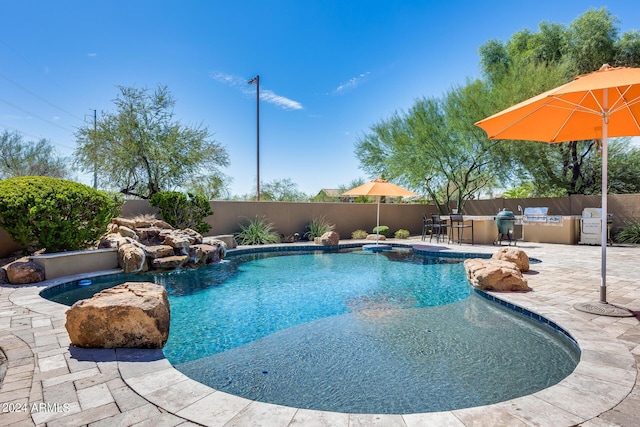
[{"x": 603, "y": 309}]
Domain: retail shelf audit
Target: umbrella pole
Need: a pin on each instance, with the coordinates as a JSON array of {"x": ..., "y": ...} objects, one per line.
[
  {"x": 605, "y": 215},
  {"x": 378, "y": 221}
]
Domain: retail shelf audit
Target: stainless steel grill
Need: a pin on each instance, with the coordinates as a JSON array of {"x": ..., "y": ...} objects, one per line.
[
  {"x": 535, "y": 214},
  {"x": 590, "y": 227}
]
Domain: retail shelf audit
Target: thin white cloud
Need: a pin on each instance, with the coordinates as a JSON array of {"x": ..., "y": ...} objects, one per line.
[
  {"x": 353, "y": 83},
  {"x": 280, "y": 101},
  {"x": 92, "y": 55},
  {"x": 266, "y": 95}
]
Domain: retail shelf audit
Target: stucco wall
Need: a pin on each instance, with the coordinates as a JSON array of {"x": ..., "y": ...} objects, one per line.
[{"x": 289, "y": 218}]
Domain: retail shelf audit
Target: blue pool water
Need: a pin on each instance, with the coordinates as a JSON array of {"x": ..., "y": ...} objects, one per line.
[{"x": 389, "y": 332}]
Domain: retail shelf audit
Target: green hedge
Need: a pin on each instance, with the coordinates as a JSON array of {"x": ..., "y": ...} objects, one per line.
[
  {"x": 183, "y": 210},
  {"x": 53, "y": 213}
]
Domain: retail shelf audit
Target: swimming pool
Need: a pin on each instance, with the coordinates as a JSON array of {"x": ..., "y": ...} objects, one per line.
[{"x": 360, "y": 332}]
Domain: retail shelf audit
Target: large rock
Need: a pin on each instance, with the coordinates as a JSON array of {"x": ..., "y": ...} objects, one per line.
[
  {"x": 176, "y": 241},
  {"x": 514, "y": 255},
  {"x": 330, "y": 238},
  {"x": 3, "y": 276},
  {"x": 376, "y": 237},
  {"x": 158, "y": 251},
  {"x": 23, "y": 272},
  {"x": 131, "y": 258},
  {"x": 495, "y": 275},
  {"x": 112, "y": 240},
  {"x": 132, "y": 315},
  {"x": 169, "y": 262},
  {"x": 205, "y": 254}
]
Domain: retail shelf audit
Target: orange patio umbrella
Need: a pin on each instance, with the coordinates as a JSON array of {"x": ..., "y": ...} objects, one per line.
[
  {"x": 598, "y": 105},
  {"x": 379, "y": 187}
]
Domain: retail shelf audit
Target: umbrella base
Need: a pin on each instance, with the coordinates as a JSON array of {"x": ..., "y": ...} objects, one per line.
[
  {"x": 376, "y": 248},
  {"x": 603, "y": 309}
]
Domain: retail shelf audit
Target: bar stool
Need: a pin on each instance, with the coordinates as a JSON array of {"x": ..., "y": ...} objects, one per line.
[{"x": 438, "y": 227}]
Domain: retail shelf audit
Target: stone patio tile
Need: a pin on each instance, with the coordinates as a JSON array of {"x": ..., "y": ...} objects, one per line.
[
  {"x": 14, "y": 395},
  {"x": 129, "y": 418},
  {"x": 269, "y": 415},
  {"x": 311, "y": 418},
  {"x": 165, "y": 419},
  {"x": 180, "y": 395},
  {"x": 52, "y": 362},
  {"x": 530, "y": 408},
  {"x": 216, "y": 409},
  {"x": 85, "y": 417},
  {"x": 153, "y": 381},
  {"x": 581, "y": 403},
  {"x": 488, "y": 416},
  {"x": 46, "y": 415},
  {"x": 92, "y": 397},
  {"x": 70, "y": 377},
  {"x": 60, "y": 393},
  {"x": 384, "y": 420},
  {"x": 440, "y": 419},
  {"x": 608, "y": 391},
  {"x": 125, "y": 398},
  {"x": 606, "y": 373},
  {"x": 627, "y": 413}
]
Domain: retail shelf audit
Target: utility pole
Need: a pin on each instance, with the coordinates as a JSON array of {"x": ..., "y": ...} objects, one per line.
[
  {"x": 95, "y": 164},
  {"x": 256, "y": 81}
]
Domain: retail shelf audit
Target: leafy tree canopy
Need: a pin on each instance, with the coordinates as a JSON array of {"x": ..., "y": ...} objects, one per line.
[
  {"x": 140, "y": 149},
  {"x": 29, "y": 158}
]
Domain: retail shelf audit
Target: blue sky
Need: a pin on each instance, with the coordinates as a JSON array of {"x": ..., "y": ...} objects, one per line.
[{"x": 328, "y": 69}]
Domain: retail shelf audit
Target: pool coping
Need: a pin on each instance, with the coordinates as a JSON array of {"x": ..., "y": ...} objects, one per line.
[{"x": 604, "y": 377}]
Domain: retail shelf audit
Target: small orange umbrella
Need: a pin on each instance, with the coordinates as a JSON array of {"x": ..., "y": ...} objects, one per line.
[
  {"x": 379, "y": 187},
  {"x": 593, "y": 106}
]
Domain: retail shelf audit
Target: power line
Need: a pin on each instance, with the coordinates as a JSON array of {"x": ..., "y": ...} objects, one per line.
[
  {"x": 35, "y": 115},
  {"x": 38, "y": 96},
  {"x": 36, "y": 136}
]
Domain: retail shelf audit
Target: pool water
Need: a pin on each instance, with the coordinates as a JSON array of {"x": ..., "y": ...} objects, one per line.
[{"x": 389, "y": 332}]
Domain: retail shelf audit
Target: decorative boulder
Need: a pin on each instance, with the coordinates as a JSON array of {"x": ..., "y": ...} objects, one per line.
[
  {"x": 514, "y": 255},
  {"x": 170, "y": 262},
  {"x": 131, "y": 258},
  {"x": 495, "y": 275},
  {"x": 112, "y": 240},
  {"x": 3, "y": 276},
  {"x": 127, "y": 232},
  {"x": 330, "y": 238},
  {"x": 176, "y": 241},
  {"x": 131, "y": 315},
  {"x": 158, "y": 251},
  {"x": 23, "y": 272},
  {"x": 204, "y": 254},
  {"x": 376, "y": 237}
]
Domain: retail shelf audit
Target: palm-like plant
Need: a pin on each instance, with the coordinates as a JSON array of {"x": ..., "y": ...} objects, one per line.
[{"x": 257, "y": 232}]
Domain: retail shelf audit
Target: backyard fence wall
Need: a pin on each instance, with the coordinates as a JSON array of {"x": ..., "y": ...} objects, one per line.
[{"x": 292, "y": 217}]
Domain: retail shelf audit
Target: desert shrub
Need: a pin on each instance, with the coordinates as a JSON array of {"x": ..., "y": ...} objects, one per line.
[
  {"x": 359, "y": 234},
  {"x": 383, "y": 230},
  {"x": 401, "y": 234},
  {"x": 183, "y": 210},
  {"x": 317, "y": 227},
  {"x": 630, "y": 233},
  {"x": 257, "y": 232},
  {"x": 53, "y": 213}
]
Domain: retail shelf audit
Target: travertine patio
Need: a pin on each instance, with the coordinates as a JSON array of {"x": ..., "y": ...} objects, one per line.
[{"x": 48, "y": 383}]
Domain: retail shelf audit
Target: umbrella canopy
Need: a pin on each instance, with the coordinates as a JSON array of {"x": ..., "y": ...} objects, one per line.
[
  {"x": 598, "y": 105},
  {"x": 379, "y": 187}
]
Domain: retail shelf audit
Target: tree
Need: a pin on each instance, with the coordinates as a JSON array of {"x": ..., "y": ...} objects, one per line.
[
  {"x": 434, "y": 148},
  {"x": 20, "y": 158},
  {"x": 141, "y": 150},
  {"x": 531, "y": 63},
  {"x": 282, "y": 190}
]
